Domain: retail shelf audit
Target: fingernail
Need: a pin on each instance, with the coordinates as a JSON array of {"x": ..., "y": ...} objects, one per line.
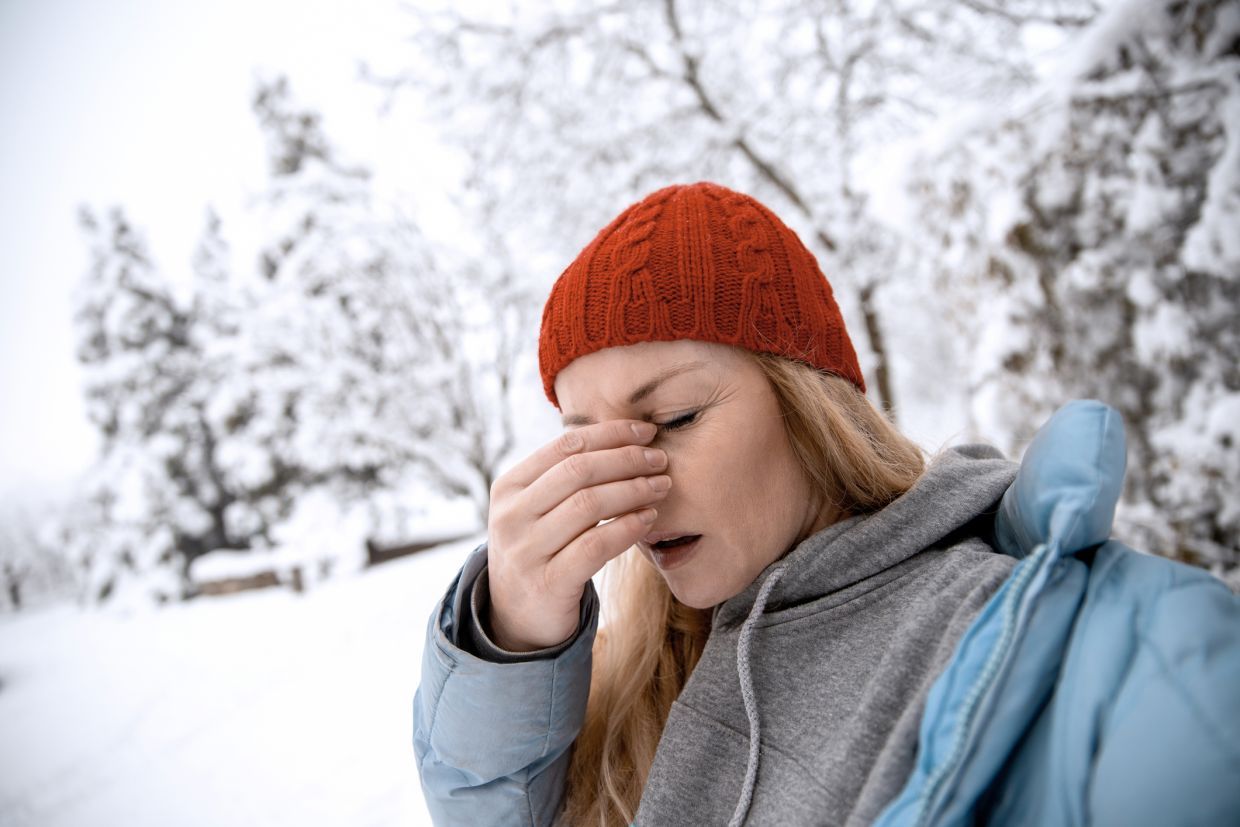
[
  {"x": 571, "y": 441},
  {"x": 660, "y": 483},
  {"x": 643, "y": 430},
  {"x": 647, "y": 515},
  {"x": 655, "y": 458}
]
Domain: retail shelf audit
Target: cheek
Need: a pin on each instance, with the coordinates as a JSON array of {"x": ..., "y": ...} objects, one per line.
[
  {"x": 709, "y": 477},
  {"x": 774, "y": 491},
  {"x": 743, "y": 478},
  {"x": 778, "y": 482}
]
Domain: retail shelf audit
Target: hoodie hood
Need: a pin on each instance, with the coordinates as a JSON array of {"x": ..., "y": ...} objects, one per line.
[{"x": 958, "y": 487}]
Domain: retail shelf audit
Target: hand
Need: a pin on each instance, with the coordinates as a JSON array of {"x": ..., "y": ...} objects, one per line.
[{"x": 544, "y": 540}]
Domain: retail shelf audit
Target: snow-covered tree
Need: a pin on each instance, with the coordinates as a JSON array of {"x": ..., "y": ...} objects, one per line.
[
  {"x": 33, "y": 567},
  {"x": 151, "y": 366},
  {"x": 195, "y": 454},
  {"x": 358, "y": 359},
  {"x": 574, "y": 109},
  {"x": 405, "y": 349},
  {"x": 1096, "y": 234}
]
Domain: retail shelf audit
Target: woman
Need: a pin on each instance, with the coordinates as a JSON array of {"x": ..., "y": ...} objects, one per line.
[{"x": 809, "y": 623}]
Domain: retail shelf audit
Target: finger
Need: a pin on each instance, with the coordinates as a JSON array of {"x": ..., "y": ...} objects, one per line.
[
  {"x": 585, "y": 557},
  {"x": 585, "y": 508},
  {"x": 611, "y": 434},
  {"x": 584, "y": 470}
]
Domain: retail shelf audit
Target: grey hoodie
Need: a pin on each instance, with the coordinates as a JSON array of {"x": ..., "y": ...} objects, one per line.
[{"x": 836, "y": 646}]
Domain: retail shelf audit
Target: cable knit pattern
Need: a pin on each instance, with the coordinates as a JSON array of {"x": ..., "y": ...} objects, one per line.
[{"x": 696, "y": 261}]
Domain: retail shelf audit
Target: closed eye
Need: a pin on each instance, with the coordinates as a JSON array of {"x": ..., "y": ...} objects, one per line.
[{"x": 678, "y": 422}]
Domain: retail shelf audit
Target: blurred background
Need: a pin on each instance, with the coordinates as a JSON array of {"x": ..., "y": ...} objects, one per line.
[{"x": 274, "y": 271}]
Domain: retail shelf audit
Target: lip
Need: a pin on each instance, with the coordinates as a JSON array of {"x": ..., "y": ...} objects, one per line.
[
  {"x": 659, "y": 536},
  {"x": 673, "y": 557}
]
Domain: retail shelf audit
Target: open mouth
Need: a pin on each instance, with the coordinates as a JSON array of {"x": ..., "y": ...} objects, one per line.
[
  {"x": 675, "y": 542},
  {"x": 672, "y": 550}
]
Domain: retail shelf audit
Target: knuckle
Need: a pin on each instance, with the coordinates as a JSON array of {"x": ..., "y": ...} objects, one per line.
[
  {"x": 576, "y": 468},
  {"x": 587, "y": 501},
  {"x": 568, "y": 443},
  {"x": 498, "y": 515},
  {"x": 592, "y": 545}
]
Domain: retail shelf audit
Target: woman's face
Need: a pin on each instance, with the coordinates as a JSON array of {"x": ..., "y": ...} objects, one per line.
[{"x": 735, "y": 480}]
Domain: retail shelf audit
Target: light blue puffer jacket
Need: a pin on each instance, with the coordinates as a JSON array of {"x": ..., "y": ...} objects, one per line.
[{"x": 1097, "y": 686}]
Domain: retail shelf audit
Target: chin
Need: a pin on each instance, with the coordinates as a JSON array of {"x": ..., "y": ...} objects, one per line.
[{"x": 697, "y": 598}]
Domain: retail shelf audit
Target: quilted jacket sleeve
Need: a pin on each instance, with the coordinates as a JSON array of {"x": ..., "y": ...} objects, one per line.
[{"x": 492, "y": 738}]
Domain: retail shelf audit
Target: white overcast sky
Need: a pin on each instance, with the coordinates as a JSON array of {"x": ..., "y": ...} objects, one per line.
[{"x": 145, "y": 103}]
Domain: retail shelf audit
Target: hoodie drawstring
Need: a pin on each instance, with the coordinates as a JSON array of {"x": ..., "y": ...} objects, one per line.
[{"x": 751, "y": 704}]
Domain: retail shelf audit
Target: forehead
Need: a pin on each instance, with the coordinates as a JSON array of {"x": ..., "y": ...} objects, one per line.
[{"x": 611, "y": 376}]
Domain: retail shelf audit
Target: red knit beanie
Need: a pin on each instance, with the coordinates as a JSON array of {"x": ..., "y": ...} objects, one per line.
[{"x": 696, "y": 261}]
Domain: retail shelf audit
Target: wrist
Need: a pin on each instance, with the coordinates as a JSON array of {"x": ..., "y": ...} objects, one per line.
[{"x": 517, "y": 643}]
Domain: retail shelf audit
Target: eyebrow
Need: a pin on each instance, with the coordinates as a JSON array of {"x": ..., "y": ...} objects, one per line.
[{"x": 642, "y": 391}]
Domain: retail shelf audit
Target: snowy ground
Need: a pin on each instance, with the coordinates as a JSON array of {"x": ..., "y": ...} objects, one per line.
[{"x": 266, "y": 708}]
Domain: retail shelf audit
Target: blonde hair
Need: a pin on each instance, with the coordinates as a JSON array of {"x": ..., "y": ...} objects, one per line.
[{"x": 855, "y": 459}]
